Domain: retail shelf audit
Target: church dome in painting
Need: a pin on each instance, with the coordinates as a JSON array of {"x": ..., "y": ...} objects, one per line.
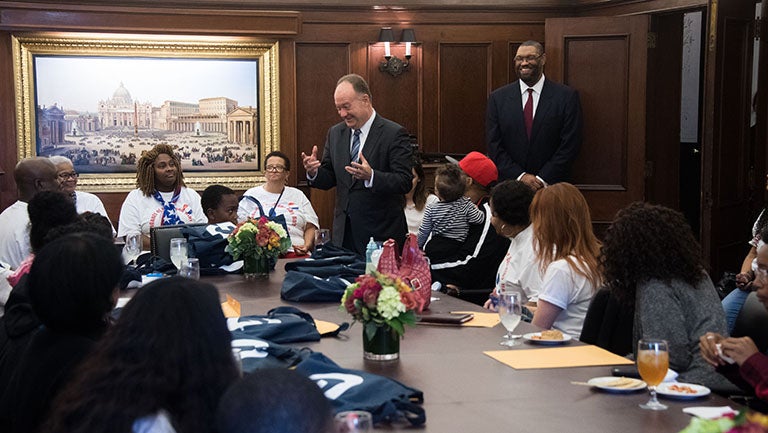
[{"x": 122, "y": 97}]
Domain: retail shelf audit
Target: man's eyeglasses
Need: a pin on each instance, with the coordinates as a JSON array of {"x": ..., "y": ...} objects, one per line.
[
  {"x": 71, "y": 174},
  {"x": 530, "y": 58},
  {"x": 275, "y": 168}
]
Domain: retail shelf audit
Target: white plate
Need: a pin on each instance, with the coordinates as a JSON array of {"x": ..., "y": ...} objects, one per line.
[
  {"x": 529, "y": 337},
  {"x": 667, "y": 389},
  {"x": 619, "y": 385}
]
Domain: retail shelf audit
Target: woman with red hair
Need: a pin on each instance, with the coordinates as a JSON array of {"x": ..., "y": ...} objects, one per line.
[{"x": 566, "y": 251}]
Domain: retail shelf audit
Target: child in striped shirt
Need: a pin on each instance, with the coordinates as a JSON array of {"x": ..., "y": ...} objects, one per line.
[{"x": 448, "y": 220}]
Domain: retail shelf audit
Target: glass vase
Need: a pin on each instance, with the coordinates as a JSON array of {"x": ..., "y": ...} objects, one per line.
[
  {"x": 380, "y": 342},
  {"x": 256, "y": 268}
]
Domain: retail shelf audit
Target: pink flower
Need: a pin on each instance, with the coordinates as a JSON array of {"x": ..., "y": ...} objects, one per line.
[
  {"x": 371, "y": 295},
  {"x": 262, "y": 239},
  {"x": 349, "y": 305}
]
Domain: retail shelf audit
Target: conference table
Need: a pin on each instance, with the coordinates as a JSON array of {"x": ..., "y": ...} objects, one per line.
[{"x": 466, "y": 390}]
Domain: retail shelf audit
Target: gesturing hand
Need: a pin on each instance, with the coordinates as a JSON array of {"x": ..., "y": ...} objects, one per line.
[
  {"x": 361, "y": 170},
  {"x": 311, "y": 163}
]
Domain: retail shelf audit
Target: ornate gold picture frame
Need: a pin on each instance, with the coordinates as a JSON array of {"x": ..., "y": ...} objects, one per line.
[{"x": 216, "y": 100}]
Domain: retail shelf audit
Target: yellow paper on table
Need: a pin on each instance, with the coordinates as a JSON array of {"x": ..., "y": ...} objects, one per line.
[
  {"x": 557, "y": 357},
  {"x": 324, "y": 327},
  {"x": 481, "y": 320},
  {"x": 231, "y": 308}
]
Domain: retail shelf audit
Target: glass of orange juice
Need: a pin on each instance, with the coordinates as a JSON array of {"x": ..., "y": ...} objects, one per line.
[{"x": 652, "y": 363}]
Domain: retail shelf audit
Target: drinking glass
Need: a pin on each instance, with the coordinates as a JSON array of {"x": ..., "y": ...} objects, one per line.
[
  {"x": 191, "y": 269},
  {"x": 132, "y": 247},
  {"x": 322, "y": 236},
  {"x": 510, "y": 313},
  {"x": 178, "y": 252},
  {"x": 353, "y": 421},
  {"x": 652, "y": 363}
]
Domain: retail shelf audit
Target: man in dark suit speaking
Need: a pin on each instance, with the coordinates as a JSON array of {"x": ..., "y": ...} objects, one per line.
[
  {"x": 368, "y": 159},
  {"x": 533, "y": 125}
]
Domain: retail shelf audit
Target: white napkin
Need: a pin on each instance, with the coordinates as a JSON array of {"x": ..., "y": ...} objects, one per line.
[
  {"x": 671, "y": 376},
  {"x": 709, "y": 412},
  {"x": 727, "y": 359},
  {"x": 234, "y": 266}
]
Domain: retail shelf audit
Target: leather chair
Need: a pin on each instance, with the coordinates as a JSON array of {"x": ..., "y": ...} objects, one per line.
[
  {"x": 160, "y": 239},
  {"x": 752, "y": 322}
]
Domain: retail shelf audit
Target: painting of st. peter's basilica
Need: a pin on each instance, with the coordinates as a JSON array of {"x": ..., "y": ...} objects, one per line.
[{"x": 206, "y": 109}]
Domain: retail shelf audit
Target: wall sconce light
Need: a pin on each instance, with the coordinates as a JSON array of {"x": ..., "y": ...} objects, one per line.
[{"x": 392, "y": 64}]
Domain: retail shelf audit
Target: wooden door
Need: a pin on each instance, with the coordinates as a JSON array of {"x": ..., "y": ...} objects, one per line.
[
  {"x": 728, "y": 173},
  {"x": 604, "y": 58}
]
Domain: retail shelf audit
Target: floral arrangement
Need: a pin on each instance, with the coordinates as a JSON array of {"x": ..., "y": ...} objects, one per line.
[
  {"x": 376, "y": 299},
  {"x": 743, "y": 422},
  {"x": 258, "y": 238}
]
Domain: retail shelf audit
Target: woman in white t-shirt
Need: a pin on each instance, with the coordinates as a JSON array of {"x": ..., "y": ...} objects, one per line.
[
  {"x": 161, "y": 197},
  {"x": 417, "y": 199},
  {"x": 519, "y": 270},
  {"x": 276, "y": 198},
  {"x": 566, "y": 250}
]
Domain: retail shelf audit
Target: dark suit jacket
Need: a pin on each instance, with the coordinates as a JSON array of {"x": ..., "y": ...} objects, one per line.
[
  {"x": 375, "y": 211},
  {"x": 555, "y": 138}
]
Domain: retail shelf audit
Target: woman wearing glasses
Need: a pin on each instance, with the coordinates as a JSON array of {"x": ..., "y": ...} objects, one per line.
[
  {"x": 84, "y": 201},
  {"x": 161, "y": 199},
  {"x": 275, "y": 198}
]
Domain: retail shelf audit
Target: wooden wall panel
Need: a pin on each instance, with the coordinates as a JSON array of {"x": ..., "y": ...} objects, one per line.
[
  {"x": 8, "y": 122},
  {"x": 603, "y": 8},
  {"x": 464, "y": 87},
  {"x": 610, "y": 167},
  {"x": 318, "y": 66},
  {"x": 603, "y": 93},
  {"x": 396, "y": 97},
  {"x": 169, "y": 20}
]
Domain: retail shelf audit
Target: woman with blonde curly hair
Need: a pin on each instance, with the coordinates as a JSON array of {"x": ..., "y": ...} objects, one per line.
[
  {"x": 566, "y": 250},
  {"x": 161, "y": 198}
]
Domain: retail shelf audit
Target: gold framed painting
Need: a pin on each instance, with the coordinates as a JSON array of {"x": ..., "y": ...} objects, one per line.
[{"x": 101, "y": 100}]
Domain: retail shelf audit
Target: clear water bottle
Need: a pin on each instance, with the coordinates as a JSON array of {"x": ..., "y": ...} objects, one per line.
[{"x": 369, "y": 249}]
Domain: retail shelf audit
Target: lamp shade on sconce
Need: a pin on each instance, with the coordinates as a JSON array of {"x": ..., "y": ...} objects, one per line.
[
  {"x": 408, "y": 36},
  {"x": 392, "y": 64},
  {"x": 386, "y": 35}
]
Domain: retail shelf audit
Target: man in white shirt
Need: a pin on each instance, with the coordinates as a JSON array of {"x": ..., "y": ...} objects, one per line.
[
  {"x": 31, "y": 175},
  {"x": 84, "y": 201}
]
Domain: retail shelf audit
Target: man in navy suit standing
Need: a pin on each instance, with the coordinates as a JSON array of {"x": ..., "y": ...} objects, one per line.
[
  {"x": 533, "y": 125},
  {"x": 368, "y": 159}
]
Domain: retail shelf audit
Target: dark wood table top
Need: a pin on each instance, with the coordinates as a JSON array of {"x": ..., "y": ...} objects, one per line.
[{"x": 467, "y": 391}]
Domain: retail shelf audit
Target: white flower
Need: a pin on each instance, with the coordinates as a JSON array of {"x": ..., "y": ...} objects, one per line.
[{"x": 389, "y": 303}]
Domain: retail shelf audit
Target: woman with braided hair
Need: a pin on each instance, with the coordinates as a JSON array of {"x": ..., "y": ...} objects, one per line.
[{"x": 161, "y": 198}]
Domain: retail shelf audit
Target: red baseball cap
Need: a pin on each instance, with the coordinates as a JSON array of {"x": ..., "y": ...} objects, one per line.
[{"x": 479, "y": 167}]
